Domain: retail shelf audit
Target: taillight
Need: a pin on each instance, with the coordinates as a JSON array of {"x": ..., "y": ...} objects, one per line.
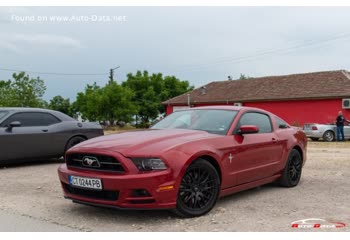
[{"x": 314, "y": 128}]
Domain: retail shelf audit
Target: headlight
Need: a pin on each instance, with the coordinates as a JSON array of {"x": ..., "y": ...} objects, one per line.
[{"x": 148, "y": 164}]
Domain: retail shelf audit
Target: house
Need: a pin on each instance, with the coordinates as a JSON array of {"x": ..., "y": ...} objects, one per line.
[{"x": 297, "y": 98}]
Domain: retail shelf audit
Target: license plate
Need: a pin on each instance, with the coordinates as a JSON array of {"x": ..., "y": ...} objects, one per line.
[{"x": 83, "y": 182}]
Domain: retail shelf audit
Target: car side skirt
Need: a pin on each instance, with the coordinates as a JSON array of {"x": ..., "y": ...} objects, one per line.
[{"x": 246, "y": 186}]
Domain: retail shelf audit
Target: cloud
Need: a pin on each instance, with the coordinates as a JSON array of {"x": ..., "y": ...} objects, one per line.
[
  {"x": 8, "y": 47},
  {"x": 7, "y": 12},
  {"x": 19, "y": 42},
  {"x": 46, "y": 39}
]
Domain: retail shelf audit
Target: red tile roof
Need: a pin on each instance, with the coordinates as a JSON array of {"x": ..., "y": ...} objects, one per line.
[{"x": 329, "y": 84}]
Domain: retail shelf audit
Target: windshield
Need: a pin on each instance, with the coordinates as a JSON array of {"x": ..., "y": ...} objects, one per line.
[
  {"x": 3, "y": 114},
  {"x": 209, "y": 120}
]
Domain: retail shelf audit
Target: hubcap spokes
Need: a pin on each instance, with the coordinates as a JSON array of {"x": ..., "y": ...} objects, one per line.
[
  {"x": 295, "y": 169},
  {"x": 329, "y": 136},
  {"x": 197, "y": 188}
]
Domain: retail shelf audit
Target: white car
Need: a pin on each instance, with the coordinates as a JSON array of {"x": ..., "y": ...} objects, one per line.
[{"x": 327, "y": 132}]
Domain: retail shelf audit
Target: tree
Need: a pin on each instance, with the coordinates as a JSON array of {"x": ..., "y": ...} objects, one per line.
[
  {"x": 116, "y": 103},
  {"x": 112, "y": 102},
  {"x": 244, "y": 77},
  {"x": 22, "y": 91},
  {"x": 88, "y": 103},
  {"x": 151, "y": 90},
  {"x": 6, "y": 93},
  {"x": 58, "y": 103}
]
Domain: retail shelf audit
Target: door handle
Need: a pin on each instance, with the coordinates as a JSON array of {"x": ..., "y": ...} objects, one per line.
[
  {"x": 45, "y": 130},
  {"x": 274, "y": 140}
]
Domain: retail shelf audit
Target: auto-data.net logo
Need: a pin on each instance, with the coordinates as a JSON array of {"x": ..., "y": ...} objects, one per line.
[{"x": 317, "y": 223}]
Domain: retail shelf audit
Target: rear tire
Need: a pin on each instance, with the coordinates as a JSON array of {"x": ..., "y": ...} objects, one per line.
[
  {"x": 74, "y": 141},
  {"x": 329, "y": 136},
  {"x": 199, "y": 190},
  {"x": 292, "y": 171}
]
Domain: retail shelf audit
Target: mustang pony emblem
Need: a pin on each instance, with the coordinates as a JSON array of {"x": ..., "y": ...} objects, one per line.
[{"x": 91, "y": 161}]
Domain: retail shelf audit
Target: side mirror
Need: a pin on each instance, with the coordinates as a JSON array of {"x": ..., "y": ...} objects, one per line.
[
  {"x": 248, "y": 129},
  {"x": 13, "y": 124}
]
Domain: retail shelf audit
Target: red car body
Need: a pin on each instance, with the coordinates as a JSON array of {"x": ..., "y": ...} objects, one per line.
[{"x": 242, "y": 161}]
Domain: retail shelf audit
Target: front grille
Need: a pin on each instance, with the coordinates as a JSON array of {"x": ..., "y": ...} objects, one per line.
[
  {"x": 95, "y": 194},
  {"x": 102, "y": 163}
]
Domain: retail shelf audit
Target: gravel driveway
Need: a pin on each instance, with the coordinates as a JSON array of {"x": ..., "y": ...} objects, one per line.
[{"x": 33, "y": 191}]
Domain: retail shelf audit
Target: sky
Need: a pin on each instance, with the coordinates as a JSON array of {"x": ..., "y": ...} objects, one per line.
[{"x": 197, "y": 44}]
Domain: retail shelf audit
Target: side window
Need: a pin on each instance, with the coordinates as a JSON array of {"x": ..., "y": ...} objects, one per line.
[
  {"x": 31, "y": 119},
  {"x": 47, "y": 119},
  {"x": 280, "y": 123},
  {"x": 3, "y": 114},
  {"x": 262, "y": 121}
]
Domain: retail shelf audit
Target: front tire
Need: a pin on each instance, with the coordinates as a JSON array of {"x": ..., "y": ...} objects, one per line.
[
  {"x": 199, "y": 189},
  {"x": 292, "y": 171},
  {"x": 74, "y": 141}
]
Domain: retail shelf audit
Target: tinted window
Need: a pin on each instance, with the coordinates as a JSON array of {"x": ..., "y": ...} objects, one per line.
[
  {"x": 31, "y": 119},
  {"x": 280, "y": 123},
  {"x": 262, "y": 121},
  {"x": 209, "y": 120},
  {"x": 3, "y": 114}
]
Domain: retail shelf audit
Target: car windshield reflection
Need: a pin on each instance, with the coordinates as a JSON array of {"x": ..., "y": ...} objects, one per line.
[{"x": 210, "y": 120}]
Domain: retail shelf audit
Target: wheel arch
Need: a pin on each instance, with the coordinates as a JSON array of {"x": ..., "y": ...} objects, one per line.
[
  {"x": 299, "y": 149},
  {"x": 213, "y": 162},
  {"x": 76, "y": 135}
]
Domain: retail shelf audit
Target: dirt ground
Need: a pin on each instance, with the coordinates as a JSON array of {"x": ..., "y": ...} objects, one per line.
[{"x": 33, "y": 191}]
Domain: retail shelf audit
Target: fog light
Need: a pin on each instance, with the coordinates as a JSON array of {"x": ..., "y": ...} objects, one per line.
[{"x": 140, "y": 193}]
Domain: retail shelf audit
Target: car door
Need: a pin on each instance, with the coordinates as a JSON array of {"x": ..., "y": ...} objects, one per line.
[
  {"x": 347, "y": 131},
  {"x": 30, "y": 140},
  {"x": 255, "y": 156}
]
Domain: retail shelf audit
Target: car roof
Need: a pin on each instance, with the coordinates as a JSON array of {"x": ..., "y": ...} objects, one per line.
[{"x": 58, "y": 114}]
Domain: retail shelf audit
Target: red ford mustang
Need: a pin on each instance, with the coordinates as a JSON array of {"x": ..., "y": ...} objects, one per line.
[{"x": 186, "y": 161}]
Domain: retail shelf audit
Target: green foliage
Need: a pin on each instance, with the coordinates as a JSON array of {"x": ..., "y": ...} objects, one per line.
[
  {"x": 111, "y": 102},
  {"x": 151, "y": 90},
  {"x": 244, "y": 77},
  {"x": 116, "y": 103},
  {"x": 22, "y": 91},
  {"x": 60, "y": 104},
  {"x": 88, "y": 103},
  {"x": 141, "y": 94}
]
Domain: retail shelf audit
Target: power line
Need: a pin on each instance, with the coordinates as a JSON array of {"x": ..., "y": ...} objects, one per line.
[
  {"x": 263, "y": 53},
  {"x": 54, "y": 73}
]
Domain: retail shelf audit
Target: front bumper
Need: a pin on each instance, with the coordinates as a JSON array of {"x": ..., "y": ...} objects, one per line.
[{"x": 119, "y": 188}]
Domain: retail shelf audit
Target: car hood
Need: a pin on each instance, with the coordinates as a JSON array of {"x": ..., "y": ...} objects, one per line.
[{"x": 148, "y": 142}]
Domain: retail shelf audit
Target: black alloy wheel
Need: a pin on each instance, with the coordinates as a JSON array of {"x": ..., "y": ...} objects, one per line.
[
  {"x": 199, "y": 189},
  {"x": 292, "y": 172}
]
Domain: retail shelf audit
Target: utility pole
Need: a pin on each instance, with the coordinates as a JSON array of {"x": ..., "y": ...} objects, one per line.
[{"x": 111, "y": 74}]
